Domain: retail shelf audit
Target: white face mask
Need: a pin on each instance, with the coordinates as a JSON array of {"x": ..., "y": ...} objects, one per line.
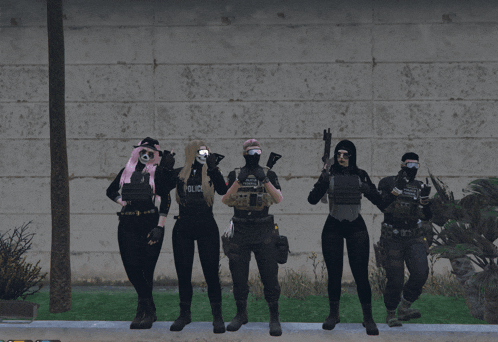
[
  {"x": 145, "y": 156},
  {"x": 201, "y": 156}
]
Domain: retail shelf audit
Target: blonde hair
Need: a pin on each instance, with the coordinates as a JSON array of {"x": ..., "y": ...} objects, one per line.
[{"x": 207, "y": 185}]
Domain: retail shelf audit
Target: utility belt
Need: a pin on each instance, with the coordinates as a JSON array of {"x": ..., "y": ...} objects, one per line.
[
  {"x": 255, "y": 221},
  {"x": 392, "y": 230},
  {"x": 136, "y": 212}
]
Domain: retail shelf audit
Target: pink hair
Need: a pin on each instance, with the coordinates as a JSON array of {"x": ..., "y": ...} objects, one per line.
[{"x": 150, "y": 167}]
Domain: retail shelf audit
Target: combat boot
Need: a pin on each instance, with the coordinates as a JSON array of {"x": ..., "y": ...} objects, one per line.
[
  {"x": 135, "y": 324},
  {"x": 405, "y": 313},
  {"x": 275, "y": 328},
  {"x": 391, "y": 319},
  {"x": 241, "y": 316},
  {"x": 333, "y": 317},
  {"x": 368, "y": 321},
  {"x": 218, "y": 323},
  {"x": 148, "y": 317},
  {"x": 183, "y": 319}
]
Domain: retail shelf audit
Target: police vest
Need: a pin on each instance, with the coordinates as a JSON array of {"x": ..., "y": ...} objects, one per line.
[
  {"x": 407, "y": 204},
  {"x": 138, "y": 189},
  {"x": 251, "y": 195}
]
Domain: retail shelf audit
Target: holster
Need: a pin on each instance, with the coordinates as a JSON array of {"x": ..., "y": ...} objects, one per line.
[{"x": 282, "y": 246}]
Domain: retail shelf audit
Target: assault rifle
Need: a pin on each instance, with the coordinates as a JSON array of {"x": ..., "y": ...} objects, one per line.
[
  {"x": 327, "y": 137},
  {"x": 273, "y": 159}
]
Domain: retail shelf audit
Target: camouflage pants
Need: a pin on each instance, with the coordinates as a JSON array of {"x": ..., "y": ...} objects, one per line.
[{"x": 399, "y": 251}]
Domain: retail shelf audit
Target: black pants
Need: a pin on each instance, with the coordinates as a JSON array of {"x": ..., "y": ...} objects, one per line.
[
  {"x": 399, "y": 251},
  {"x": 358, "y": 245},
  {"x": 139, "y": 258},
  {"x": 185, "y": 232},
  {"x": 263, "y": 246}
]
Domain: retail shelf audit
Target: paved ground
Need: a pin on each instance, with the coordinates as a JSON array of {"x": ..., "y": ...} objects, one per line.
[{"x": 101, "y": 331}]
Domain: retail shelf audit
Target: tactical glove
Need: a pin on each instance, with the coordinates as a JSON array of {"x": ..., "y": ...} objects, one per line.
[
  {"x": 260, "y": 175},
  {"x": 324, "y": 177},
  {"x": 400, "y": 182},
  {"x": 211, "y": 161},
  {"x": 424, "y": 193},
  {"x": 156, "y": 234},
  {"x": 168, "y": 160},
  {"x": 244, "y": 173}
]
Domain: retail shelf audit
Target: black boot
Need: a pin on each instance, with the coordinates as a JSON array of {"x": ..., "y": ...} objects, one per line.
[
  {"x": 368, "y": 321},
  {"x": 148, "y": 318},
  {"x": 333, "y": 317},
  {"x": 218, "y": 323},
  {"x": 241, "y": 316},
  {"x": 135, "y": 324},
  {"x": 275, "y": 328},
  {"x": 183, "y": 319}
]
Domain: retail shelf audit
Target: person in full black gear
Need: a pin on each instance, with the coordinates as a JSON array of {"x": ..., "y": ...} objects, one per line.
[
  {"x": 141, "y": 224},
  {"x": 403, "y": 239},
  {"x": 345, "y": 183},
  {"x": 196, "y": 183},
  {"x": 252, "y": 189}
]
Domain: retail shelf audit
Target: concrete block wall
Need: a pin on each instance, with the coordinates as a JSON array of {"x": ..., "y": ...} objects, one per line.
[{"x": 392, "y": 76}]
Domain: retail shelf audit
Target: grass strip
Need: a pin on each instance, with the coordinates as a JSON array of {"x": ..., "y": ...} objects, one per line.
[{"x": 121, "y": 306}]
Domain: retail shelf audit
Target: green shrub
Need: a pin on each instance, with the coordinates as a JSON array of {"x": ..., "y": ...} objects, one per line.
[{"x": 18, "y": 277}]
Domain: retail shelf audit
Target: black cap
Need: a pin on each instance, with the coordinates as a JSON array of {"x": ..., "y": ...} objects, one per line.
[
  {"x": 149, "y": 143},
  {"x": 409, "y": 155}
]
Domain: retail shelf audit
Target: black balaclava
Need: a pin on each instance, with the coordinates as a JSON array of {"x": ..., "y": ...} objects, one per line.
[
  {"x": 348, "y": 146},
  {"x": 251, "y": 161},
  {"x": 411, "y": 172}
]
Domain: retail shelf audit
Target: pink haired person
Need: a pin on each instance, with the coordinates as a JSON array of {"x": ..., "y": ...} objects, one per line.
[{"x": 141, "y": 224}]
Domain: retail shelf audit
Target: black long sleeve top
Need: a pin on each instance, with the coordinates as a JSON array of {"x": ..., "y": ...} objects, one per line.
[{"x": 193, "y": 203}]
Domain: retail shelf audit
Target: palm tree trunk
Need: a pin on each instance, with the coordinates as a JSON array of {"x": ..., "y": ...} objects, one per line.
[{"x": 60, "y": 266}]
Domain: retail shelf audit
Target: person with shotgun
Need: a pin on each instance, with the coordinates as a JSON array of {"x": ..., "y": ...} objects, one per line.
[{"x": 344, "y": 183}]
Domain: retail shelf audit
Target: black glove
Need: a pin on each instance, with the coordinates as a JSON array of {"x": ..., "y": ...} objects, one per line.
[
  {"x": 400, "y": 182},
  {"x": 168, "y": 160},
  {"x": 324, "y": 177},
  {"x": 259, "y": 173},
  {"x": 211, "y": 161},
  {"x": 156, "y": 234},
  {"x": 364, "y": 187},
  {"x": 244, "y": 173},
  {"x": 424, "y": 192}
]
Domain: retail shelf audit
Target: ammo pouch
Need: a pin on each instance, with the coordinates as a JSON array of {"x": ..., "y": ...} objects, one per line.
[
  {"x": 282, "y": 246},
  {"x": 346, "y": 189},
  {"x": 136, "y": 192},
  {"x": 251, "y": 195}
]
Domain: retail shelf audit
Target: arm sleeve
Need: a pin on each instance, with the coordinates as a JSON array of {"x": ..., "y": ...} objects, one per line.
[
  {"x": 317, "y": 192},
  {"x": 113, "y": 189},
  {"x": 218, "y": 181},
  {"x": 165, "y": 181},
  {"x": 385, "y": 189},
  {"x": 427, "y": 211},
  {"x": 371, "y": 194},
  {"x": 165, "y": 205},
  {"x": 231, "y": 179},
  {"x": 272, "y": 176}
]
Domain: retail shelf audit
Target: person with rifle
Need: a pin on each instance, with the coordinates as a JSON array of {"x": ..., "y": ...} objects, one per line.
[
  {"x": 252, "y": 190},
  {"x": 344, "y": 183},
  {"x": 403, "y": 239}
]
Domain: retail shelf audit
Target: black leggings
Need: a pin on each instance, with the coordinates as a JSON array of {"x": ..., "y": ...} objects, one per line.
[
  {"x": 358, "y": 245},
  {"x": 185, "y": 232},
  {"x": 139, "y": 258}
]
